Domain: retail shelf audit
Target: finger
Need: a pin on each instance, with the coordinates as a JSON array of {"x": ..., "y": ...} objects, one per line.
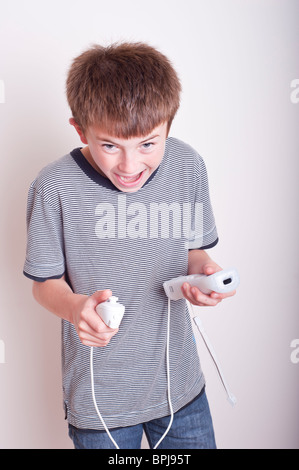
[
  {"x": 203, "y": 299},
  {"x": 217, "y": 295},
  {"x": 96, "y": 343},
  {"x": 98, "y": 297},
  {"x": 91, "y": 320},
  {"x": 94, "y": 325},
  {"x": 102, "y": 339},
  {"x": 209, "y": 269},
  {"x": 196, "y": 297}
]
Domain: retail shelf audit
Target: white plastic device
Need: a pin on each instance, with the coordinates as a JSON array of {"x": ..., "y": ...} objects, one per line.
[
  {"x": 111, "y": 312},
  {"x": 222, "y": 282}
]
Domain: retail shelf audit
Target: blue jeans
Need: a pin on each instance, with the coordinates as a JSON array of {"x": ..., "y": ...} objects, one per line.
[{"x": 192, "y": 428}]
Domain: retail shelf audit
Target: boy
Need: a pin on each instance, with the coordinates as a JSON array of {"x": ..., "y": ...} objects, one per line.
[{"x": 122, "y": 215}]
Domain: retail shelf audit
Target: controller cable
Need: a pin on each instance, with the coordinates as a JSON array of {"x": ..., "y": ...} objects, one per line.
[
  {"x": 198, "y": 322},
  {"x": 168, "y": 387}
]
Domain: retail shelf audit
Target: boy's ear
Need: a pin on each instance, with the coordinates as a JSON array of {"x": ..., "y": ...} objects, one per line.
[{"x": 79, "y": 130}]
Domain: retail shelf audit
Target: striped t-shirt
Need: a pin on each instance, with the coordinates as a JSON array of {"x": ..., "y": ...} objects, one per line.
[{"x": 81, "y": 225}]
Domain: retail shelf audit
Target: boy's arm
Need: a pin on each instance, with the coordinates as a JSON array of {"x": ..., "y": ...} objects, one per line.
[
  {"x": 56, "y": 296},
  {"x": 199, "y": 262}
]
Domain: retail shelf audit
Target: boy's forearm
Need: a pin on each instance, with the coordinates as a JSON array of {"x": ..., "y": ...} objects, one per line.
[
  {"x": 56, "y": 296},
  {"x": 197, "y": 259}
]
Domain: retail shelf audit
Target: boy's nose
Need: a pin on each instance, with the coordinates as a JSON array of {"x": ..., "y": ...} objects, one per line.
[{"x": 128, "y": 163}]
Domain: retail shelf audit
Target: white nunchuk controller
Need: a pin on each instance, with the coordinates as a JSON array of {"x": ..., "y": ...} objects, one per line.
[
  {"x": 111, "y": 312},
  {"x": 222, "y": 282}
]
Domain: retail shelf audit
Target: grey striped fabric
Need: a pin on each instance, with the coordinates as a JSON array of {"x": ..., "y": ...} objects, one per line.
[{"x": 81, "y": 225}]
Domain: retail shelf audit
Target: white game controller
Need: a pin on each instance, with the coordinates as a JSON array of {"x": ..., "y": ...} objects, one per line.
[
  {"x": 111, "y": 312},
  {"x": 222, "y": 282}
]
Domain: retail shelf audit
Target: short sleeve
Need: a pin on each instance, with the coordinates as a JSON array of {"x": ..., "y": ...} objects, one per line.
[
  {"x": 45, "y": 248},
  {"x": 203, "y": 233}
]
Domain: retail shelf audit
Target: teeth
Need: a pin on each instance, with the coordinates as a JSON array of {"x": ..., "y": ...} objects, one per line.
[{"x": 129, "y": 179}]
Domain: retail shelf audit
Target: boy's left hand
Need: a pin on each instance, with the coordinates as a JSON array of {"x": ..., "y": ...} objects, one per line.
[{"x": 196, "y": 297}]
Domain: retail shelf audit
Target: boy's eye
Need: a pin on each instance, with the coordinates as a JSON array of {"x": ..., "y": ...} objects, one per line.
[
  {"x": 147, "y": 145},
  {"x": 109, "y": 147}
]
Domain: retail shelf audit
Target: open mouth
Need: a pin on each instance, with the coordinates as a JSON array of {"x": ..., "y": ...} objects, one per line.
[{"x": 129, "y": 181}]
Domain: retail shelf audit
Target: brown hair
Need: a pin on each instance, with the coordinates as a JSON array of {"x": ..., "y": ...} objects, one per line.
[{"x": 128, "y": 89}]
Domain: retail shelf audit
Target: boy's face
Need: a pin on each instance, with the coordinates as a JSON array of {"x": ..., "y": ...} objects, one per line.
[{"x": 128, "y": 163}]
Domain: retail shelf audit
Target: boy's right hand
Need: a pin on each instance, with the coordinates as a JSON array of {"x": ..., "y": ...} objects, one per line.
[
  {"x": 57, "y": 296},
  {"x": 91, "y": 329}
]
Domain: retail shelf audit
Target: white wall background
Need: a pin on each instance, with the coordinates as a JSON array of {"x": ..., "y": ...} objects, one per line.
[{"x": 236, "y": 60}]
